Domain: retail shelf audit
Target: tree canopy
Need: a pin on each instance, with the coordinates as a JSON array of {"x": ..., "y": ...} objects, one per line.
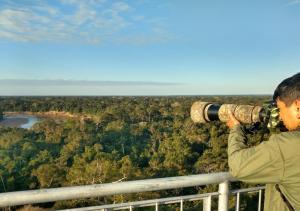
[{"x": 127, "y": 138}]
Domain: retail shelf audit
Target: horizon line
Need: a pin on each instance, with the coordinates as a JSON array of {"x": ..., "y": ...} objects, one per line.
[{"x": 170, "y": 95}]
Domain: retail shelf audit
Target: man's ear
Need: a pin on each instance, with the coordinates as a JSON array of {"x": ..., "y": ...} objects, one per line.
[{"x": 297, "y": 104}]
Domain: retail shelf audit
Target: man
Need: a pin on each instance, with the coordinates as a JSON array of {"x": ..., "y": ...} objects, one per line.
[{"x": 275, "y": 162}]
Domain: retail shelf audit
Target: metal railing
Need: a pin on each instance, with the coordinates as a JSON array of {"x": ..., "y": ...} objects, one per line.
[
  {"x": 87, "y": 191},
  {"x": 248, "y": 190},
  {"x": 207, "y": 198}
]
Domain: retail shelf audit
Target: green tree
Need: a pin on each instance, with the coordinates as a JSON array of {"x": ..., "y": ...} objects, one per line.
[{"x": 49, "y": 175}]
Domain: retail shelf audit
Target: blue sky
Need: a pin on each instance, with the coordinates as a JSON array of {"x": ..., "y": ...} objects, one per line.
[{"x": 147, "y": 47}]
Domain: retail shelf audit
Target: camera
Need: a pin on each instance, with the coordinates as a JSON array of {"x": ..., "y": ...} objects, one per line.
[{"x": 203, "y": 112}]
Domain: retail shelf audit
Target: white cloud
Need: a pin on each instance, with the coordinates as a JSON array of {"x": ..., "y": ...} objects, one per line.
[
  {"x": 84, "y": 14},
  {"x": 20, "y": 24},
  {"x": 138, "y": 18},
  {"x": 83, "y": 2},
  {"x": 293, "y": 2},
  {"x": 12, "y": 36},
  {"x": 120, "y": 7},
  {"x": 88, "y": 21},
  {"x": 47, "y": 9}
]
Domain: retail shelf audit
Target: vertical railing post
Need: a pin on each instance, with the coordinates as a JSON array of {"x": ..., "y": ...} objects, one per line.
[
  {"x": 181, "y": 205},
  {"x": 237, "y": 206},
  {"x": 207, "y": 203},
  {"x": 156, "y": 206},
  {"x": 223, "y": 196},
  {"x": 259, "y": 200}
]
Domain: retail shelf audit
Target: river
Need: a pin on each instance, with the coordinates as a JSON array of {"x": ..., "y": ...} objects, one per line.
[{"x": 19, "y": 120}]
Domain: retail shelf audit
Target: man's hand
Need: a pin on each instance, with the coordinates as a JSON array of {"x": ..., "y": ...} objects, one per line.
[{"x": 232, "y": 121}]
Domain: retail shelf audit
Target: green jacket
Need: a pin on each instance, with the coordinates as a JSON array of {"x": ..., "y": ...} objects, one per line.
[{"x": 276, "y": 161}]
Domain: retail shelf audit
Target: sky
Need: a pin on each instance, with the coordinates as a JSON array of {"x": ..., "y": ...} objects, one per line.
[{"x": 147, "y": 47}]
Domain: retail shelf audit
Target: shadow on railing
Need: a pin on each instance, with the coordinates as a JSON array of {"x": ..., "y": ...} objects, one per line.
[{"x": 76, "y": 192}]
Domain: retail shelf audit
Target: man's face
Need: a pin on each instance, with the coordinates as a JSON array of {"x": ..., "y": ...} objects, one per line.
[{"x": 290, "y": 115}]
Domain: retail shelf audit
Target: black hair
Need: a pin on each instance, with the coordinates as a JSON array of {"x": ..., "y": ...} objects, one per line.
[{"x": 288, "y": 90}]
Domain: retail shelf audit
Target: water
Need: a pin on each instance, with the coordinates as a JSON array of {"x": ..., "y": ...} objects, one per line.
[
  {"x": 21, "y": 121},
  {"x": 31, "y": 121}
]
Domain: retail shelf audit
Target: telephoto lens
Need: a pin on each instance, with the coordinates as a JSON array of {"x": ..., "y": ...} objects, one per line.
[{"x": 203, "y": 112}]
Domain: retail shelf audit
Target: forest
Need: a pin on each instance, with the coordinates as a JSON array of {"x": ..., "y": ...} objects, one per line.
[{"x": 127, "y": 138}]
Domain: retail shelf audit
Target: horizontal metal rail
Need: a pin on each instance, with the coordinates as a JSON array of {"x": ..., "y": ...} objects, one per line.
[
  {"x": 76, "y": 192},
  {"x": 248, "y": 190},
  {"x": 170, "y": 200},
  {"x": 147, "y": 203}
]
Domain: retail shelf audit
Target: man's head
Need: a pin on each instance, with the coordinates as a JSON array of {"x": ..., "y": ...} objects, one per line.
[{"x": 287, "y": 96}]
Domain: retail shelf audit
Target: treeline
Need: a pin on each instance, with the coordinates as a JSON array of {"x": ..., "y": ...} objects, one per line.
[
  {"x": 98, "y": 105},
  {"x": 130, "y": 138}
]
